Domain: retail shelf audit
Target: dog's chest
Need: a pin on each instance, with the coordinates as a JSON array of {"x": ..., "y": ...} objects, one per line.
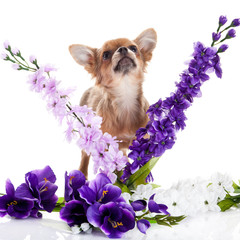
[{"x": 127, "y": 97}]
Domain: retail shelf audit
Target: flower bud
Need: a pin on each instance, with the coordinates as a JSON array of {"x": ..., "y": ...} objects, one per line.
[
  {"x": 4, "y": 56},
  {"x": 32, "y": 59},
  {"x": 223, "y": 48},
  {"x": 231, "y": 34},
  {"x": 222, "y": 20},
  {"x": 216, "y": 36},
  {"x": 16, "y": 66},
  {"x": 235, "y": 22},
  {"x": 15, "y": 51},
  {"x": 6, "y": 45}
]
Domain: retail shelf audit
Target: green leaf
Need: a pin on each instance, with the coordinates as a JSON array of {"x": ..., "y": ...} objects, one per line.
[
  {"x": 139, "y": 176},
  {"x": 236, "y": 188},
  {"x": 59, "y": 205},
  {"x": 123, "y": 186},
  {"x": 226, "y": 204}
]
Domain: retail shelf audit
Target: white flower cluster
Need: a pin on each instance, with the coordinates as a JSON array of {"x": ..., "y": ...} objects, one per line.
[
  {"x": 85, "y": 227},
  {"x": 188, "y": 197}
]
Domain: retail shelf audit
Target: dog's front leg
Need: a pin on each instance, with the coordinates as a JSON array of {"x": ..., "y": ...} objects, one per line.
[{"x": 84, "y": 164}]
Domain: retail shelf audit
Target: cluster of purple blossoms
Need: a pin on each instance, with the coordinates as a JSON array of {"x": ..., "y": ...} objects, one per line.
[
  {"x": 167, "y": 116},
  {"x": 99, "y": 203},
  {"x": 37, "y": 193}
]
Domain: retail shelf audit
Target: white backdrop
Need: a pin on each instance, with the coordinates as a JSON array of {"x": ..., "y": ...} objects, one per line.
[{"x": 32, "y": 138}]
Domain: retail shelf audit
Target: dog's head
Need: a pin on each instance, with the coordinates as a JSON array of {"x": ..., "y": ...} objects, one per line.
[{"x": 116, "y": 58}]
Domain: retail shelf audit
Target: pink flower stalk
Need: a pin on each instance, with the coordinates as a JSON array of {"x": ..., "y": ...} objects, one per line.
[
  {"x": 82, "y": 123},
  {"x": 15, "y": 51},
  {"x": 15, "y": 66},
  {"x": 3, "y": 56}
]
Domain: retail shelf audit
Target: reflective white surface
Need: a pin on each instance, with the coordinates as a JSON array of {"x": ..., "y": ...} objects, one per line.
[{"x": 209, "y": 226}]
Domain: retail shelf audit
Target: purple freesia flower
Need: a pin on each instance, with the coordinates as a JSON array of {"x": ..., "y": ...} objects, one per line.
[
  {"x": 15, "y": 206},
  {"x": 40, "y": 187},
  {"x": 113, "y": 218},
  {"x": 73, "y": 182},
  {"x": 74, "y": 212},
  {"x": 223, "y": 48},
  {"x": 100, "y": 190}
]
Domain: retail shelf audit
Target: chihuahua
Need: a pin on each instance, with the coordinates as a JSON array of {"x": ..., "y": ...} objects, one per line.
[{"x": 117, "y": 96}]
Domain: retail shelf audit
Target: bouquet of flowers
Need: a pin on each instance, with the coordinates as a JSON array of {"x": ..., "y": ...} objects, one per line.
[{"x": 121, "y": 195}]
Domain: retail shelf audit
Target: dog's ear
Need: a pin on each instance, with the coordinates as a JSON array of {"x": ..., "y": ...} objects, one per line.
[
  {"x": 85, "y": 56},
  {"x": 146, "y": 42}
]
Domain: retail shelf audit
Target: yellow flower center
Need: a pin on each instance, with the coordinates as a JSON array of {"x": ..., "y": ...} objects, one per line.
[
  {"x": 115, "y": 224},
  {"x": 103, "y": 194},
  {"x": 12, "y": 203}
]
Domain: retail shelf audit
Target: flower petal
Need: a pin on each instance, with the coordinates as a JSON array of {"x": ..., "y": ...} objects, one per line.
[
  {"x": 87, "y": 194},
  {"x": 143, "y": 225},
  {"x": 109, "y": 193},
  {"x": 93, "y": 215},
  {"x": 139, "y": 205},
  {"x": 10, "y": 188},
  {"x": 23, "y": 191},
  {"x": 45, "y": 174},
  {"x": 99, "y": 182}
]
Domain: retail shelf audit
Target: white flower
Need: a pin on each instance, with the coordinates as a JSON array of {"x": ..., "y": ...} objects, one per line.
[
  {"x": 220, "y": 183},
  {"x": 75, "y": 229},
  {"x": 126, "y": 197},
  {"x": 85, "y": 227},
  {"x": 143, "y": 192}
]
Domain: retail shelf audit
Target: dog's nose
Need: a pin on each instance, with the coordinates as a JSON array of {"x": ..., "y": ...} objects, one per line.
[{"x": 123, "y": 50}]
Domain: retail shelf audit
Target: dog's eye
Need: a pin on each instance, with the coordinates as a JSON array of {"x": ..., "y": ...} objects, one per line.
[
  {"x": 106, "y": 55},
  {"x": 133, "y": 48}
]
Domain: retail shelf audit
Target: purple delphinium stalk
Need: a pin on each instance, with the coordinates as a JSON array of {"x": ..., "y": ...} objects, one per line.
[
  {"x": 166, "y": 117},
  {"x": 17, "y": 207},
  {"x": 222, "y": 20}
]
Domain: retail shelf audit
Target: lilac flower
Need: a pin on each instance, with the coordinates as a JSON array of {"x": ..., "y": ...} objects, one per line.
[
  {"x": 73, "y": 182},
  {"x": 18, "y": 207},
  {"x": 113, "y": 218},
  {"x": 37, "y": 80},
  {"x": 4, "y": 56},
  {"x": 74, "y": 212},
  {"x": 39, "y": 187},
  {"x": 222, "y": 20},
  {"x": 236, "y": 22},
  {"x": 51, "y": 86}
]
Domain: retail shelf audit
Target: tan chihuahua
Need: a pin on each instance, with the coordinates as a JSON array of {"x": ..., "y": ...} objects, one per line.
[{"x": 117, "y": 96}]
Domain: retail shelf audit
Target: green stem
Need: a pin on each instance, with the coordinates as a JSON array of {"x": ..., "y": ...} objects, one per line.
[
  {"x": 140, "y": 217},
  {"x": 75, "y": 115},
  {"x": 1, "y": 194}
]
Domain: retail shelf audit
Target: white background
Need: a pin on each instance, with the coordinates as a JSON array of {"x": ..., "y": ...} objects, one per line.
[{"x": 31, "y": 138}]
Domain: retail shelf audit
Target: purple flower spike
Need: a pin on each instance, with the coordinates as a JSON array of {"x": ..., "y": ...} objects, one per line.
[
  {"x": 236, "y": 22},
  {"x": 157, "y": 208},
  {"x": 73, "y": 182},
  {"x": 143, "y": 225},
  {"x": 222, "y": 20},
  {"x": 139, "y": 205},
  {"x": 14, "y": 206}
]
